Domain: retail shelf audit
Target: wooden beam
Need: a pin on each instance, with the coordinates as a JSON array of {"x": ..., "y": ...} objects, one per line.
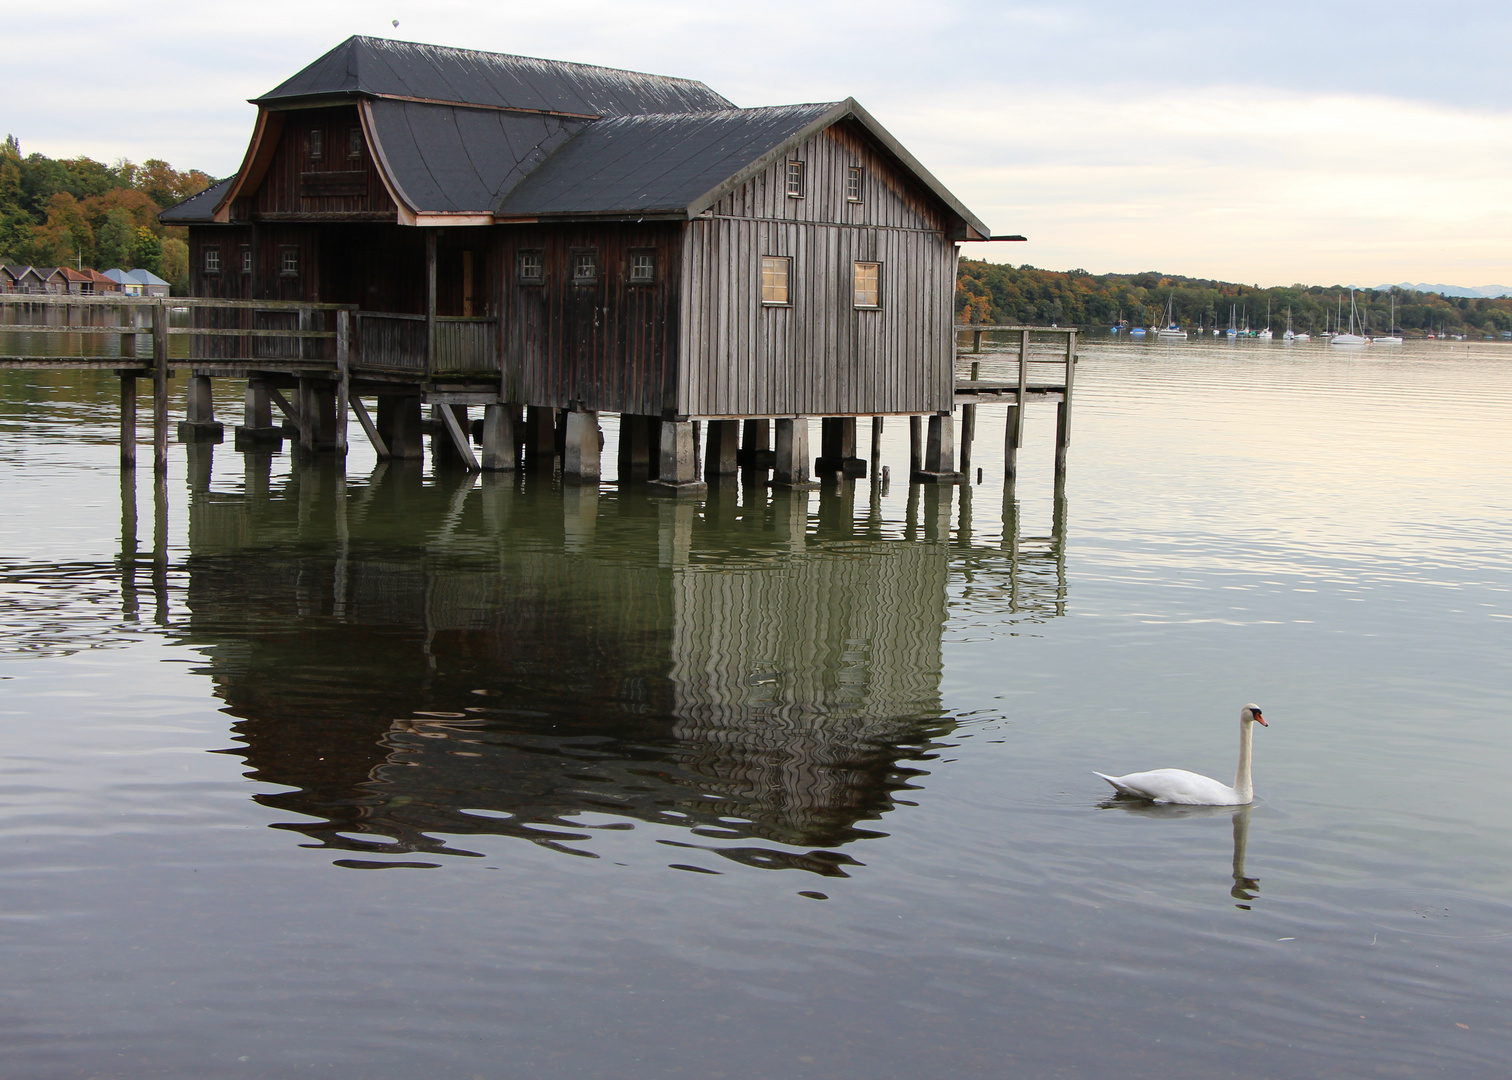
[
  {"x": 160, "y": 387},
  {"x": 370, "y": 429},
  {"x": 344, "y": 383},
  {"x": 459, "y": 438},
  {"x": 128, "y": 421}
]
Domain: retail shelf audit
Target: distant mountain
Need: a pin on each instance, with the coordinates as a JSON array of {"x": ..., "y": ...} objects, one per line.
[{"x": 1454, "y": 290}]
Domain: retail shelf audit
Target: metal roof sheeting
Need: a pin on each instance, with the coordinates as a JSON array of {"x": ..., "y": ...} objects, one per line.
[
  {"x": 197, "y": 209},
  {"x": 650, "y": 164},
  {"x": 379, "y": 67}
]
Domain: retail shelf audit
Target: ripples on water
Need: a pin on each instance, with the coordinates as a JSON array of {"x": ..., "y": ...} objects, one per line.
[{"x": 606, "y": 751}]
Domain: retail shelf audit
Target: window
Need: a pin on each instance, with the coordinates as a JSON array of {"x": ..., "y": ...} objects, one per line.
[
  {"x": 354, "y": 142},
  {"x": 288, "y": 262},
  {"x": 795, "y": 179},
  {"x": 868, "y": 285},
  {"x": 532, "y": 267},
  {"x": 317, "y": 144},
  {"x": 774, "y": 279},
  {"x": 853, "y": 184},
  {"x": 246, "y": 260},
  {"x": 212, "y": 260},
  {"x": 643, "y": 267},
  {"x": 584, "y": 267}
]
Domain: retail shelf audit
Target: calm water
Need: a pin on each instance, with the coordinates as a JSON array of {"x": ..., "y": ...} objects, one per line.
[{"x": 393, "y": 774}]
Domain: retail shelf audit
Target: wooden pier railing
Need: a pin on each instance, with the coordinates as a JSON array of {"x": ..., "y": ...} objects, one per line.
[{"x": 970, "y": 393}]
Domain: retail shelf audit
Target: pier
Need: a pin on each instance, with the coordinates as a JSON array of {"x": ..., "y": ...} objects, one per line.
[{"x": 309, "y": 368}]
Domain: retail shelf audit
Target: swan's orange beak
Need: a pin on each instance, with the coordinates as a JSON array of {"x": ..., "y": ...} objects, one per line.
[{"x": 1258, "y": 718}]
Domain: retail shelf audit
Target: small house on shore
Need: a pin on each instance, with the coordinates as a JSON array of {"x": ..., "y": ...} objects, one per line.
[{"x": 593, "y": 239}]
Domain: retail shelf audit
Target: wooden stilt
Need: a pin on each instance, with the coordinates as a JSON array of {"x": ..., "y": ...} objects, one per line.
[
  {"x": 344, "y": 377},
  {"x": 370, "y": 429},
  {"x": 723, "y": 448},
  {"x": 876, "y": 449},
  {"x": 968, "y": 432},
  {"x": 128, "y": 421},
  {"x": 915, "y": 444},
  {"x": 160, "y": 387},
  {"x": 458, "y": 433}
]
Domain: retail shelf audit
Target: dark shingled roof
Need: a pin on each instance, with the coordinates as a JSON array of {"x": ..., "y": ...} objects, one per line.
[
  {"x": 196, "y": 208},
  {"x": 378, "y": 67},
  {"x": 447, "y": 159},
  {"x": 650, "y": 164}
]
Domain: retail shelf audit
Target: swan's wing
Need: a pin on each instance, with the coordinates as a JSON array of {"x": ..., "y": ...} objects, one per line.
[{"x": 1174, "y": 786}]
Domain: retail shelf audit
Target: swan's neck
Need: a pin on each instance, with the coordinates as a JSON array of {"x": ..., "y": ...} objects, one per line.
[{"x": 1242, "y": 783}]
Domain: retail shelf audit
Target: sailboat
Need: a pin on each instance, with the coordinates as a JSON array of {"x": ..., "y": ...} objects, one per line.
[
  {"x": 1392, "y": 338},
  {"x": 1233, "y": 331},
  {"x": 1169, "y": 330},
  {"x": 1266, "y": 335},
  {"x": 1350, "y": 338}
]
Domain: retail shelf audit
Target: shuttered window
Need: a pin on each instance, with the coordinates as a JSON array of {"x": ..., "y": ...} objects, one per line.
[
  {"x": 867, "y": 288},
  {"x": 246, "y": 260},
  {"x": 317, "y": 144},
  {"x": 774, "y": 279},
  {"x": 795, "y": 179}
]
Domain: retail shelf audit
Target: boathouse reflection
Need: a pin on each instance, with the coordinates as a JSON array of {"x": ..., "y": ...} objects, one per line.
[{"x": 417, "y": 663}]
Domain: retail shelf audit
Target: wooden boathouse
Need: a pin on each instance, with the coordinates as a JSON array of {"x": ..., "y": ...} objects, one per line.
[{"x": 440, "y": 227}]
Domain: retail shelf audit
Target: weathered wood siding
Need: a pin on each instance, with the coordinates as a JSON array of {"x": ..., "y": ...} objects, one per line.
[
  {"x": 819, "y": 356},
  {"x": 335, "y": 186},
  {"x": 611, "y": 345}
]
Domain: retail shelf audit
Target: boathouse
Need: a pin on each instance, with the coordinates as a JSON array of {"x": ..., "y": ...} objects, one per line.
[{"x": 520, "y": 232}]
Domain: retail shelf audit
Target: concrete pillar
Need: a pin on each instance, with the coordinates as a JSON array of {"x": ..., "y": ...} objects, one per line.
[
  {"x": 791, "y": 462},
  {"x": 256, "y": 429},
  {"x": 837, "y": 447},
  {"x": 540, "y": 438},
  {"x": 199, "y": 423},
  {"x": 722, "y": 449},
  {"x": 678, "y": 468},
  {"x": 939, "y": 451},
  {"x": 790, "y": 514},
  {"x": 317, "y": 411},
  {"x": 580, "y": 451},
  {"x": 674, "y": 532},
  {"x": 756, "y": 445},
  {"x": 399, "y": 423},
  {"x": 498, "y": 437},
  {"x": 637, "y": 449}
]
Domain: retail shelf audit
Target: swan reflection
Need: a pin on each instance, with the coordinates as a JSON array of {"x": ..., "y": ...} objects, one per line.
[{"x": 1245, "y": 888}]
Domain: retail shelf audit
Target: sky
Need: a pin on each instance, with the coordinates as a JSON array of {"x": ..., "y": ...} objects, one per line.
[{"x": 1268, "y": 143}]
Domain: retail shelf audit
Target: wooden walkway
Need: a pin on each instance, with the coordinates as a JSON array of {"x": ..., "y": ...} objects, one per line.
[{"x": 332, "y": 354}]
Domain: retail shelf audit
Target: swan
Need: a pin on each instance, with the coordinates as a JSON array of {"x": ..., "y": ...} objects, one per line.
[{"x": 1194, "y": 789}]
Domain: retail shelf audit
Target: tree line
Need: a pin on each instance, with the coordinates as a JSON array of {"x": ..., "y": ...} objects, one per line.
[
  {"x": 73, "y": 211},
  {"x": 1003, "y": 294}
]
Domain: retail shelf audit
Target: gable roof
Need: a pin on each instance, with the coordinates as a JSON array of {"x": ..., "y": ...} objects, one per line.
[
  {"x": 686, "y": 163},
  {"x": 145, "y": 277},
  {"x": 378, "y": 67},
  {"x": 197, "y": 208}
]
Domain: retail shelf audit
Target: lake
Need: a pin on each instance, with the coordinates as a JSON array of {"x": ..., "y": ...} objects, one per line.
[{"x": 387, "y": 773}]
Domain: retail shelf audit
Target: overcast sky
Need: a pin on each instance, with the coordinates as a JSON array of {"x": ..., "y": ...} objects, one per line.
[{"x": 1319, "y": 142}]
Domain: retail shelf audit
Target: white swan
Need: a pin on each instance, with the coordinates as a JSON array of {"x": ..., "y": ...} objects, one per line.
[{"x": 1194, "y": 789}]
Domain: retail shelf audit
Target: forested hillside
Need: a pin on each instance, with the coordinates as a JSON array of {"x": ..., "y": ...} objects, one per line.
[
  {"x": 1000, "y": 293},
  {"x": 55, "y": 212}
]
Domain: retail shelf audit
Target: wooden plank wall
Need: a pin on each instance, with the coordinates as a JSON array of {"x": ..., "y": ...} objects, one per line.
[
  {"x": 820, "y": 356},
  {"x": 334, "y": 186},
  {"x": 611, "y": 345}
]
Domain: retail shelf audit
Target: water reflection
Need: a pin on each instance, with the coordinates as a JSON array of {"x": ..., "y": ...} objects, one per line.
[
  {"x": 421, "y": 662},
  {"x": 1245, "y": 888}
]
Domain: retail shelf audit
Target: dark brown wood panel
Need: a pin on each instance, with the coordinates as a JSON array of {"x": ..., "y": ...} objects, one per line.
[{"x": 333, "y": 185}]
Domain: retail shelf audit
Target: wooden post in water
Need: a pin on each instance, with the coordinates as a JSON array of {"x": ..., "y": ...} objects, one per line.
[
  {"x": 968, "y": 432},
  {"x": 1063, "y": 413},
  {"x": 344, "y": 374},
  {"x": 160, "y": 387},
  {"x": 1014, "y": 437},
  {"x": 722, "y": 450},
  {"x": 915, "y": 444},
  {"x": 128, "y": 419},
  {"x": 876, "y": 450}
]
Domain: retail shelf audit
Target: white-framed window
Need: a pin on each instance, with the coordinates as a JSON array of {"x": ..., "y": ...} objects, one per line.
[
  {"x": 642, "y": 267},
  {"x": 316, "y": 144},
  {"x": 867, "y": 285},
  {"x": 532, "y": 268},
  {"x": 776, "y": 274},
  {"x": 288, "y": 261},
  {"x": 795, "y": 180},
  {"x": 584, "y": 267},
  {"x": 246, "y": 260},
  {"x": 853, "y": 184},
  {"x": 354, "y": 142},
  {"x": 212, "y": 260}
]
